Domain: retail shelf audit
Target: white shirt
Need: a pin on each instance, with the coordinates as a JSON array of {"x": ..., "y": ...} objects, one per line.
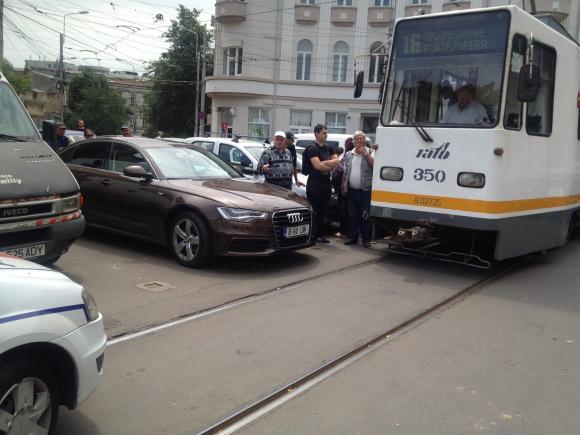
[
  {"x": 475, "y": 113},
  {"x": 355, "y": 175}
]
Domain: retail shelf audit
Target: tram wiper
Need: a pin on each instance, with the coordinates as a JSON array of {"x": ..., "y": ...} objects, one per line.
[
  {"x": 422, "y": 132},
  {"x": 8, "y": 137}
]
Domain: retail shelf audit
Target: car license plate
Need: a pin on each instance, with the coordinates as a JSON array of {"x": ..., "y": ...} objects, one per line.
[
  {"x": 27, "y": 251},
  {"x": 301, "y": 230}
]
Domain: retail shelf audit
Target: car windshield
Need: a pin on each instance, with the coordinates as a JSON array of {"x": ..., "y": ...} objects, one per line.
[
  {"x": 14, "y": 121},
  {"x": 256, "y": 152},
  {"x": 447, "y": 70},
  {"x": 181, "y": 162}
]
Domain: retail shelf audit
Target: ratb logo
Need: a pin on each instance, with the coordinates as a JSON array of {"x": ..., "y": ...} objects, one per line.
[{"x": 441, "y": 152}]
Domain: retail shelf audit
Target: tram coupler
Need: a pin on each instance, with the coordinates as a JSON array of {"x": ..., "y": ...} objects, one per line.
[{"x": 415, "y": 234}]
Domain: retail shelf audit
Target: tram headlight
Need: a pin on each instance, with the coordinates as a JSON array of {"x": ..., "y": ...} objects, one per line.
[
  {"x": 471, "y": 179},
  {"x": 391, "y": 174}
]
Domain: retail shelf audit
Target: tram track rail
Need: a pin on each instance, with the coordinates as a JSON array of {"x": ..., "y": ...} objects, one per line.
[
  {"x": 259, "y": 408},
  {"x": 231, "y": 304}
]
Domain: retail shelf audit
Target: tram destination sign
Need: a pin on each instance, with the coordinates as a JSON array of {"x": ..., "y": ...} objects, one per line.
[{"x": 453, "y": 35}]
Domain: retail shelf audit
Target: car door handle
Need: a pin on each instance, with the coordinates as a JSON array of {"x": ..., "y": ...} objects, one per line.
[{"x": 106, "y": 182}]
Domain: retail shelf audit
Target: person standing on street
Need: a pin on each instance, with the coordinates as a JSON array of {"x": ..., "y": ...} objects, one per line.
[
  {"x": 320, "y": 160},
  {"x": 292, "y": 148},
  {"x": 126, "y": 131},
  {"x": 61, "y": 140},
  {"x": 341, "y": 205},
  {"x": 356, "y": 186},
  {"x": 276, "y": 163}
]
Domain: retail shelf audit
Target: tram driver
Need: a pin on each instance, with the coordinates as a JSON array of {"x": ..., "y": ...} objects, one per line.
[{"x": 466, "y": 110}]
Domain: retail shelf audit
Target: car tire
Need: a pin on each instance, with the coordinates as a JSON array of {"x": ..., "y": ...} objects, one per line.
[
  {"x": 38, "y": 406},
  {"x": 189, "y": 240}
]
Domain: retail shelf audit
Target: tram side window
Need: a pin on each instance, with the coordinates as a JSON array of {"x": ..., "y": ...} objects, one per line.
[
  {"x": 540, "y": 113},
  {"x": 513, "y": 107}
]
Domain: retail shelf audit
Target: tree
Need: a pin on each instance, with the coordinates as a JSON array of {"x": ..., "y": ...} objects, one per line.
[
  {"x": 170, "y": 104},
  {"x": 19, "y": 82},
  {"x": 91, "y": 98}
]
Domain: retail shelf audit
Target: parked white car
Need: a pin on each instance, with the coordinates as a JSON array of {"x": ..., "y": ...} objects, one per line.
[
  {"x": 52, "y": 344},
  {"x": 244, "y": 155}
]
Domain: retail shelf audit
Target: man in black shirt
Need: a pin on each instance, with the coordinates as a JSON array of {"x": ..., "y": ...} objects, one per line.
[{"x": 323, "y": 159}]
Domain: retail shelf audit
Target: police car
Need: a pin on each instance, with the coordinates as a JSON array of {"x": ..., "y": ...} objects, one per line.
[{"x": 52, "y": 344}]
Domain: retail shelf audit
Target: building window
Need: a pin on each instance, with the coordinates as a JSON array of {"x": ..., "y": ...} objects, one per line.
[
  {"x": 382, "y": 2},
  {"x": 300, "y": 121},
  {"x": 418, "y": 2},
  {"x": 303, "y": 60},
  {"x": 377, "y": 60},
  {"x": 232, "y": 61},
  {"x": 258, "y": 122},
  {"x": 344, "y": 2},
  {"x": 336, "y": 122},
  {"x": 307, "y": 2},
  {"x": 340, "y": 62}
]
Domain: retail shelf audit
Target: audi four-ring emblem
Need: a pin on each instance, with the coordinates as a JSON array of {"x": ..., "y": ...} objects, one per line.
[{"x": 294, "y": 218}]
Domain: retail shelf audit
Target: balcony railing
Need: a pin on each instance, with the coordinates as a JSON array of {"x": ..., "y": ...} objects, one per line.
[
  {"x": 230, "y": 11},
  {"x": 380, "y": 16},
  {"x": 307, "y": 14},
  {"x": 343, "y": 15},
  {"x": 449, "y": 6},
  {"x": 413, "y": 10},
  {"x": 559, "y": 9}
]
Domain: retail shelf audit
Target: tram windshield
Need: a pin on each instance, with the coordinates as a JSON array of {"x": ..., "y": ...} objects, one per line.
[{"x": 447, "y": 71}]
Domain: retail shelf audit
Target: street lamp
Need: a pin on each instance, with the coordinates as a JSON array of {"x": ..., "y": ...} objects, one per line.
[
  {"x": 62, "y": 37},
  {"x": 134, "y": 92}
]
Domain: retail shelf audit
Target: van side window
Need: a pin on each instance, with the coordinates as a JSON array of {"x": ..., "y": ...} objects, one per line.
[
  {"x": 540, "y": 113},
  {"x": 513, "y": 107},
  {"x": 90, "y": 155}
]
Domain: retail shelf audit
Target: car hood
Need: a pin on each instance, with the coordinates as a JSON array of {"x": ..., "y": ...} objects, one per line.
[
  {"x": 242, "y": 193},
  {"x": 14, "y": 263},
  {"x": 30, "y": 169}
]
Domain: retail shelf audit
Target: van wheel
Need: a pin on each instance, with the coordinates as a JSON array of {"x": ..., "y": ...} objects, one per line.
[
  {"x": 189, "y": 240},
  {"x": 29, "y": 397}
]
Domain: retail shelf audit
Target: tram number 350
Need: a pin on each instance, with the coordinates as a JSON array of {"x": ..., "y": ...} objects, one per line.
[{"x": 429, "y": 175}]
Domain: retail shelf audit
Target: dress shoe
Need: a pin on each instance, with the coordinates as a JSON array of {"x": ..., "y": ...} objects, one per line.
[
  {"x": 366, "y": 244},
  {"x": 322, "y": 240},
  {"x": 351, "y": 242}
]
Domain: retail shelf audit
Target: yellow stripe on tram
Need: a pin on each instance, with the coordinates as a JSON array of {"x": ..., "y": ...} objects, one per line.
[{"x": 473, "y": 205}]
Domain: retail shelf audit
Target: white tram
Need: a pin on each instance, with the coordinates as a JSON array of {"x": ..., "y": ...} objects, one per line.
[{"x": 497, "y": 177}]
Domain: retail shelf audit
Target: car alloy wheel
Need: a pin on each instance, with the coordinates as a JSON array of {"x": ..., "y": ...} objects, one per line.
[
  {"x": 189, "y": 240},
  {"x": 26, "y": 408}
]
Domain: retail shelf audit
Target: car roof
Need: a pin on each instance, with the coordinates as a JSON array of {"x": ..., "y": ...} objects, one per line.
[
  {"x": 225, "y": 140},
  {"x": 13, "y": 263},
  {"x": 143, "y": 142}
]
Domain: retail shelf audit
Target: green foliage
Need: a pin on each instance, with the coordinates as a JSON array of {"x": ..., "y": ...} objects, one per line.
[
  {"x": 19, "y": 82},
  {"x": 92, "y": 99},
  {"x": 170, "y": 104}
]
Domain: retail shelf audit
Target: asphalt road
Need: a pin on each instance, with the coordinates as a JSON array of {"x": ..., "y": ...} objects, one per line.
[{"x": 316, "y": 305}]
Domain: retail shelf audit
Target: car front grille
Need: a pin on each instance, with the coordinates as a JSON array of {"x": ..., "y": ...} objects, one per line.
[{"x": 291, "y": 218}]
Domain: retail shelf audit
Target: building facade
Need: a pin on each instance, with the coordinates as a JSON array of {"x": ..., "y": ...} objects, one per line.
[{"x": 290, "y": 64}]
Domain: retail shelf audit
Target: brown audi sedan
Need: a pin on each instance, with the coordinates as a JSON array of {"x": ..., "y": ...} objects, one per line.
[{"x": 185, "y": 198}]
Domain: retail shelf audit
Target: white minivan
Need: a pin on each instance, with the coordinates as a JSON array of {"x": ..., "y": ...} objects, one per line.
[{"x": 52, "y": 346}]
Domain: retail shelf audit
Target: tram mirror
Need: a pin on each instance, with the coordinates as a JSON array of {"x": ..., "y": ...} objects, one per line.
[
  {"x": 529, "y": 83},
  {"x": 358, "y": 84}
]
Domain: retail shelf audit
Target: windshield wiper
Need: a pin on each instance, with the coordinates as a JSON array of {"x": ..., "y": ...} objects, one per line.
[
  {"x": 422, "y": 132},
  {"x": 8, "y": 137}
]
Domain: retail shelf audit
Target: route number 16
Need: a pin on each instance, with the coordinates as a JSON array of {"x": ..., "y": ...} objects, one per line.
[{"x": 429, "y": 175}]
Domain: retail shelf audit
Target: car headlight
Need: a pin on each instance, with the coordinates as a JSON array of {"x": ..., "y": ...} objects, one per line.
[
  {"x": 91, "y": 310},
  {"x": 471, "y": 179},
  {"x": 72, "y": 203},
  {"x": 240, "y": 214},
  {"x": 391, "y": 174}
]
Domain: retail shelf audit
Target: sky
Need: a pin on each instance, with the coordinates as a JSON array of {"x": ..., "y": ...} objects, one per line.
[{"x": 130, "y": 30}]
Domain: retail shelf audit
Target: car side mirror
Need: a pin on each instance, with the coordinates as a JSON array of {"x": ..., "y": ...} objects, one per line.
[
  {"x": 137, "y": 171},
  {"x": 529, "y": 83},
  {"x": 249, "y": 170},
  {"x": 359, "y": 84}
]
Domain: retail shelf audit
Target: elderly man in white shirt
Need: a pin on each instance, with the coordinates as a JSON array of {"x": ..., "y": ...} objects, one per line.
[{"x": 466, "y": 110}]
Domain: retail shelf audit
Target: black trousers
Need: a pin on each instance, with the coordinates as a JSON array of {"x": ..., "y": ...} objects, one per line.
[
  {"x": 340, "y": 204},
  {"x": 359, "y": 205},
  {"x": 319, "y": 196}
]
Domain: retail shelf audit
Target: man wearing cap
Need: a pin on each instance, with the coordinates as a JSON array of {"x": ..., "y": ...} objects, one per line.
[
  {"x": 126, "y": 131},
  {"x": 276, "y": 163},
  {"x": 292, "y": 148}
]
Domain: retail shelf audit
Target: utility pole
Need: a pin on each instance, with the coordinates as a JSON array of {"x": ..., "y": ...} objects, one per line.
[
  {"x": 203, "y": 68},
  {"x": 195, "y": 109},
  {"x": 277, "y": 59},
  {"x": 61, "y": 75},
  {"x": 1, "y": 33}
]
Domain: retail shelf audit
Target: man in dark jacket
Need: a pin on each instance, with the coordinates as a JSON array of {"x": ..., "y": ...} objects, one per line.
[
  {"x": 61, "y": 140},
  {"x": 276, "y": 163}
]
